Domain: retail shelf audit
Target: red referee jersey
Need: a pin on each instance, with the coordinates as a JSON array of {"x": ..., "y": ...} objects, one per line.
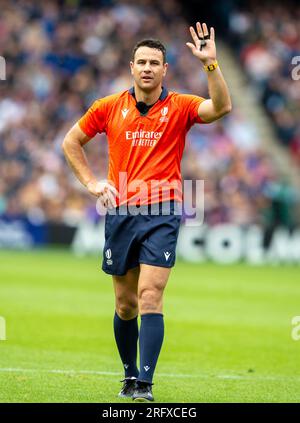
[{"x": 145, "y": 151}]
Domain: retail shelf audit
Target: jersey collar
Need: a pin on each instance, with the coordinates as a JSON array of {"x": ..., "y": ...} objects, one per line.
[{"x": 162, "y": 96}]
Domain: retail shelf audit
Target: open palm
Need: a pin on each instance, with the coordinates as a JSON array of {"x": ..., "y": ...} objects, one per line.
[{"x": 204, "y": 50}]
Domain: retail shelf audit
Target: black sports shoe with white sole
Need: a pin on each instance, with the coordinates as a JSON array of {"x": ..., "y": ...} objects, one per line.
[
  {"x": 143, "y": 392},
  {"x": 129, "y": 386}
]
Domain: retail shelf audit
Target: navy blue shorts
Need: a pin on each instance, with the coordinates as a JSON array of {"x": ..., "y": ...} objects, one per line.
[{"x": 134, "y": 239}]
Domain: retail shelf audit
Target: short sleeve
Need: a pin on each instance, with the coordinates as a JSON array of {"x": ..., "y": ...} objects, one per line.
[
  {"x": 94, "y": 120},
  {"x": 193, "y": 109},
  {"x": 190, "y": 104}
]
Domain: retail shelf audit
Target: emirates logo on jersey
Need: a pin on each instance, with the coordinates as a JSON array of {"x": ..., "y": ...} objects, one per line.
[
  {"x": 164, "y": 112},
  {"x": 143, "y": 138}
]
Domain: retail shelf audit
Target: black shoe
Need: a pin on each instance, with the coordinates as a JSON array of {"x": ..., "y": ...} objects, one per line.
[
  {"x": 129, "y": 385},
  {"x": 143, "y": 392}
]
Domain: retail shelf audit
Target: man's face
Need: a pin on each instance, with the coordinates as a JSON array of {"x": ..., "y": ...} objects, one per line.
[{"x": 148, "y": 69}]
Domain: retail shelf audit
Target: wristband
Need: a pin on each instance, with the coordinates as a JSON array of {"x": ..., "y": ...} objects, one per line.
[{"x": 212, "y": 67}]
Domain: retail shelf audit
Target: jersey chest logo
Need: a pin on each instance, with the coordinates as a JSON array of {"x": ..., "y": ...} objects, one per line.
[
  {"x": 164, "y": 111},
  {"x": 124, "y": 112}
]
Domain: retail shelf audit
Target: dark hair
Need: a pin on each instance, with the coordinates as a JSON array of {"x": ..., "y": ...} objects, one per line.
[{"x": 151, "y": 43}]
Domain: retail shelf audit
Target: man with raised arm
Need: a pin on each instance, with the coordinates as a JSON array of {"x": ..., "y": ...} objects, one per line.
[{"x": 146, "y": 127}]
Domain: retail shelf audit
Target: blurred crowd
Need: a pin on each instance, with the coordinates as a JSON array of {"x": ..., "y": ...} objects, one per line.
[
  {"x": 61, "y": 57},
  {"x": 267, "y": 38}
]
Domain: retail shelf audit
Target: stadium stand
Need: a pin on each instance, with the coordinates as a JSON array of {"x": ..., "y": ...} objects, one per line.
[
  {"x": 266, "y": 38},
  {"x": 61, "y": 57}
]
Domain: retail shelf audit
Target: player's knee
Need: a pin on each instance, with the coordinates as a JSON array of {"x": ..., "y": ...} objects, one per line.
[
  {"x": 127, "y": 311},
  {"x": 149, "y": 299}
]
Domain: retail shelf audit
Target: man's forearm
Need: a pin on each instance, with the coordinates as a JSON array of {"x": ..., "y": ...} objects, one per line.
[
  {"x": 77, "y": 160},
  {"x": 218, "y": 91}
]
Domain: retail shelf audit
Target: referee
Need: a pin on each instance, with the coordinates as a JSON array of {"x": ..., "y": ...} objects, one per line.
[{"x": 146, "y": 128}]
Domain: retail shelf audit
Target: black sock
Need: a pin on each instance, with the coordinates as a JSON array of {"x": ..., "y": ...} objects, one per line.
[
  {"x": 151, "y": 339},
  {"x": 126, "y": 335}
]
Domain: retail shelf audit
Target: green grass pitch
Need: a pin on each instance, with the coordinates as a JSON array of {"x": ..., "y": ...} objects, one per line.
[{"x": 227, "y": 332}]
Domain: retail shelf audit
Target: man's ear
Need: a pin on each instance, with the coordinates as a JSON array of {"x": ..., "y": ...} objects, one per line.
[
  {"x": 165, "y": 69},
  {"x": 131, "y": 67}
]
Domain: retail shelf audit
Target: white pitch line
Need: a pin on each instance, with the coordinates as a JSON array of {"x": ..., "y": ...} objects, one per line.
[
  {"x": 172, "y": 375},
  {"x": 57, "y": 371}
]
